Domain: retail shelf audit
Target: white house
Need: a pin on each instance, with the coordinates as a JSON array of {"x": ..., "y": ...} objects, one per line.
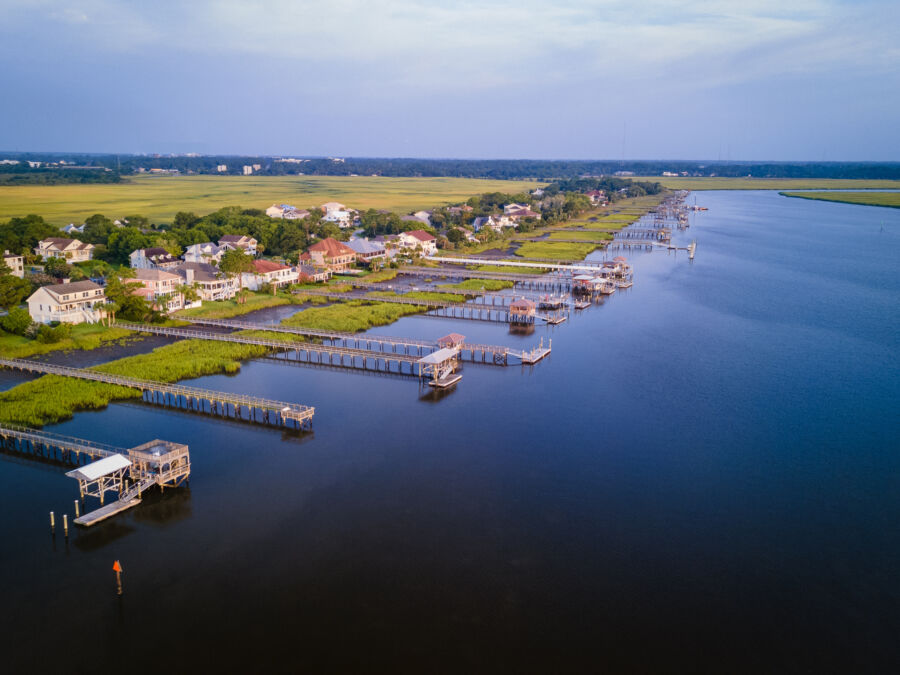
[
  {"x": 206, "y": 252},
  {"x": 72, "y": 228},
  {"x": 419, "y": 239},
  {"x": 342, "y": 218},
  {"x": 211, "y": 284},
  {"x": 333, "y": 206},
  {"x": 74, "y": 302},
  {"x": 239, "y": 241},
  {"x": 248, "y": 170},
  {"x": 15, "y": 263},
  {"x": 269, "y": 272},
  {"x": 514, "y": 207},
  {"x": 152, "y": 258},
  {"x": 70, "y": 250}
]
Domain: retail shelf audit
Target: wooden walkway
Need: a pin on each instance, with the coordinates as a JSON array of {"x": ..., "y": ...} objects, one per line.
[
  {"x": 54, "y": 447},
  {"x": 536, "y": 281},
  {"x": 558, "y": 266},
  {"x": 238, "y": 406}
]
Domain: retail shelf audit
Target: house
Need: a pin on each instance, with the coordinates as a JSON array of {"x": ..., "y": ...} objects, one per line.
[
  {"x": 458, "y": 210},
  {"x": 423, "y": 216},
  {"x": 597, "y": 197},
  {"x": 333, "y": 206},
  {"x": 221, "y": 168},
  {"x": 537, "y": 192},
  {"x": 308, "y": 273},
  {"x": 367, "y": 251},
  {"x": 247, "y": 170},
  {"x": 206, "y": 252},
  {"x": 15, "y": 263},
  {"x": 516, "y": 214},
  {"x": 419, "y": 239},
  {"x": 72, "y": 228},
  {"x": 269, "y": 272},
  {"x": 70, "y": 250},
  {"x": 296, "y": 214},
  {"x": 211, "y": 284},
  {"x": 152, "y": 258},
  {"x": 332, "y": 254},
  {"x": 342, "y": 218},
  {"x": 70, "y": 302},
  {"x": 161, "y": 288},
  {"x": 239, "y": 241},
  {"x": 480, "y": 223},
  {"x": 514, "y": 207},
  {"x": 286, "y": 211}
]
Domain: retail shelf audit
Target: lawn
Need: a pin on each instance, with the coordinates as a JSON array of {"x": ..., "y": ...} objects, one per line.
[
  {"x": 160, "y": 197},
  {"x": 555, "y": 251},
  {"x": 419, "y": 295},
  {"x": 225, "y": 309},
  {"x": 506, "y": 270},
  {"x": 479, "y": 285},
  {"x": 720, "y": 183},
  {"x": 891, "y": 199}
]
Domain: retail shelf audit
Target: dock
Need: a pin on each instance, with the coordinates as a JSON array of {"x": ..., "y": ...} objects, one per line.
[{"x": 205, "y": 401}]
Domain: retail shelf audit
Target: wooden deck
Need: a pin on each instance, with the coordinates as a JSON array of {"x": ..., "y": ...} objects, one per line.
[{"x": 108, "y": 511}]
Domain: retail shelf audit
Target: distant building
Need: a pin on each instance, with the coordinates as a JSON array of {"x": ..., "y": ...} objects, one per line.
[
  {"x": 423, "y": 216},
  {"x": 332, "y": 254},
  {"x": 206, "y": 252},
  {"x": 72, "y": 228},
  {"x": 624, "y": 173},
  {"x": 419, "y": 239},
  {"x": 152, "y": 258},
  {"x": 248, "y": 170},
  {"x": 269, "y": 272},
  {"x": 509, "y": 208},
  {"x": 597, "y": 197},
  {"x": 70, "y": 250},
  {"x": 367, "y": 251},
  {"x": 333, "y": 206},
  {"x": 15, "y": 263},
  {"x": 257, "y": 167},
  {"x": 286, "y": 211},
  {"x": 75, "y": 302},
  {"x": 239, "y": 241},
  {"x": 222, "y": 168}
]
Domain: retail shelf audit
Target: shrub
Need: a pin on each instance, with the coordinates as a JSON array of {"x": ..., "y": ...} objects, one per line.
[
  {"x": 18, "y": 321},
  {"x": 52, "y": 334}
]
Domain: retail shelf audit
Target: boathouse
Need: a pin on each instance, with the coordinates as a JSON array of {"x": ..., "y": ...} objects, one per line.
[
  {"x": 452, "y": 341},
  {"x": 522, "y": 310}
]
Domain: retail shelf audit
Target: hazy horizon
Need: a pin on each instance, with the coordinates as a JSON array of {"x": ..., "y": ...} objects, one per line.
[{"x": 813, "y": 80}]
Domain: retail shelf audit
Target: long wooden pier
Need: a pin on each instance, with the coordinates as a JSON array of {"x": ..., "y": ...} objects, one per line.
[
  {"x": 53, "y": 447},
  {"x": 534, "y": 281},
  {"x": 236, "y": 406}
]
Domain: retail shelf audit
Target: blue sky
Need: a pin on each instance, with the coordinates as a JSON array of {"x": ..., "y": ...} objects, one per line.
[{"x": 756, "y": 79}]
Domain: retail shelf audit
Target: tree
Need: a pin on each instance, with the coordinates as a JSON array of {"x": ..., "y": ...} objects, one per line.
[
  {"x": 123, "y": 241},
  {"x": 57, "y": 267},
  {"x": 185, "y": 220},
  {"x": 16, "y": 322},
  {"x": 97, "y": 229},
  {"x": 233, "y": 264},
  {"x": 455, "y": 235},
  {"x": 13, "y": 291},
  {"x": 190, "y": 293},
  {"x": 130, "y": 306},
  {"x": 22, "y": 234}
]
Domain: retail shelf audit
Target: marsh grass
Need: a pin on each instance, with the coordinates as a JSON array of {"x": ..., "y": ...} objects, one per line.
[
  {"x": 84, "y": 336},
  {"x": 555, "y": 251},
  {"x": 352, "y": 316}
]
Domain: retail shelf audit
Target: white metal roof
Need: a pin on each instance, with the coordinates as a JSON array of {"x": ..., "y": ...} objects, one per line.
[
  {"x": 439, "y": 356},
  {"x": 102, "y": 467}
]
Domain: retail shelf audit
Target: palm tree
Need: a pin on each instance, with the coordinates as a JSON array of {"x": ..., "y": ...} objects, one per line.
[
  {"x": 233, "y": 264},
  {"x": 110, "y": 309}
]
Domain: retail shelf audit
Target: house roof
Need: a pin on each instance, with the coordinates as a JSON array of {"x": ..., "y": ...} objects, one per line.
[
  {"x": 452, "y": 338},
  {"x": 421, "y": 235},
  {"x": 333, "y": 206},
  {"x": 522, "y": 303},
  {"x": 7, "y": 254},
  {"x": 202, "y": 271},
  {"x": 73, "y": 287},
  {"x": 331, "y": 247},
  {"x": 102, "y": 467},
  {"x": 62, "y": 242},
  {"x": 439, "y": 356},
  {"x": 364, "y": 246},
  {"x": 264, "y": 266},
  {"x": 235, "y": 239},
  {"x": 153, "y": 275}
]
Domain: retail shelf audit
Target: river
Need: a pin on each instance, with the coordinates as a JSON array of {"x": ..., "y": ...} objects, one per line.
[{"x": 703, "y": 477}]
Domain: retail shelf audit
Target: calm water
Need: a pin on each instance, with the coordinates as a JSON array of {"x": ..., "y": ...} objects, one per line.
[{"x": 704, "y": 477}]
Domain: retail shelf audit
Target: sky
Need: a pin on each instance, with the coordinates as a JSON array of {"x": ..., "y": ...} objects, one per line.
[{"x": 606, "y": 79}]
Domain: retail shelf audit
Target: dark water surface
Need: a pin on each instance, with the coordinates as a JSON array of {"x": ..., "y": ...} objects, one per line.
[{"x": 704, "y": 477}]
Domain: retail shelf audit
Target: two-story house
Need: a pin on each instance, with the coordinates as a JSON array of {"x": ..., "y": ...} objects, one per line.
[
  {"x": 74, "y": 302},
  {"x": 332, "y": 254},
  {"x": 15, "y": 263},
  {"x": 419, "y": 239},
  {"x": 239, "y": 241},
  {"x": 161, "y": 288},
  {"x": 207, "y": 252},
  {"x": 71, "y": 250},
  {"x": 152, "y": 258},
  {"x": 367, "y": 251},
  {"x": 210, "y": 283},
  {"x": 269, "y": 272}
]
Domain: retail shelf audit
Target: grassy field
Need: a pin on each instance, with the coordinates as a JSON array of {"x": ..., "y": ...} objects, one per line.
[
  {"x": 555, "y": 251},
  {"x": 769, "y": 183},
  {"x": 85, "y": 336},
  {"x": 891, "y": 199},
  {"x": 225, "y": 309},
  {"x": 478, "y": 285},
  {"x": 587, "y": 235},
  {"x": 352, "y": 316},
  {"x": 159, "y": 197}
]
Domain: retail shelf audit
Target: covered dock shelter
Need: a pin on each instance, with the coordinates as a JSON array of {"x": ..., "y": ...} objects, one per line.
[{"x": 440, "y": 366}]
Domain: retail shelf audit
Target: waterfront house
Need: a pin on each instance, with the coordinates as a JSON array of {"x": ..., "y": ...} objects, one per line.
[
  {"x": 69, "y": 302},
  {"x": 70, "y": 250},
  {"x": 15, "y": 263},
  {"x": 269, "y": 272},
  {"x": 309, "y": 274},
  {"x": 211, "y": 284},
  {"x": 161, "y": 288},
  {"x": 206, "y": 252},
  {"x": 239, "y": 241},
  {"x": 332, "y": 254},
  {"x": 367, "y": 251},
  {"x": 152, "y": 258},
  {"x": 419, "y": 239}
]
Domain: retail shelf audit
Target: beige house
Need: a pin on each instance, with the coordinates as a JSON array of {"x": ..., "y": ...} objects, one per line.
[
  {"x": 74, "y": 302},
  {"x": 15, "y": 263},
  {"x": 269, "y": 272},
  {"x": 161, "y": 288},
  {"x": 239, "y": 241},
  {"x": 70, "y": 250},
  {"x": 332, "y": 254},
  {"x": 419, "y": 239}
]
